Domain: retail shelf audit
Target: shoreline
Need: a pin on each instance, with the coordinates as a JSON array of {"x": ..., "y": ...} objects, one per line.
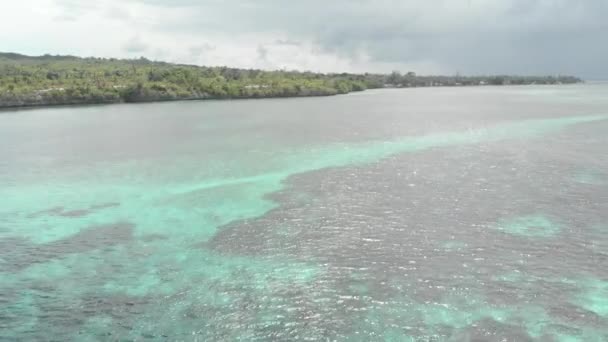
[
  {"x": 87, "y": 104},
  {"x": 50, "y": 81},
  {"x": 9, "y": 108}
]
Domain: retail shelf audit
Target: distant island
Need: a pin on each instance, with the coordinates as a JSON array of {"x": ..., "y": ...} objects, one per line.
[{"x": 65, "y": 80}]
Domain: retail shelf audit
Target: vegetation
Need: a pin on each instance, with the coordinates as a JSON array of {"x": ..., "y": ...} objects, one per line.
[{"x": 58, "y": 80}]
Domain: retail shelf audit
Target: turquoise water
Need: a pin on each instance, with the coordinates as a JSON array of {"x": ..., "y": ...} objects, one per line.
[{"x": 234, "y": 220}]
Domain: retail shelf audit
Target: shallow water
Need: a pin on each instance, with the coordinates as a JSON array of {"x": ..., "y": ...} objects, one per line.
[{"x": 452, "y": 214}]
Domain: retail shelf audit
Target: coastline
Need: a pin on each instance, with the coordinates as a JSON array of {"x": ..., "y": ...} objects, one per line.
[
  {"x": 42, "y": 105},
  {"x": 49, "y": 81},
  {"x": 102, "y": 103}
]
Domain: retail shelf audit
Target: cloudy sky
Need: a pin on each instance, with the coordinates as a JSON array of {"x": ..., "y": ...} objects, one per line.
[{"x": 426, "y": 36}]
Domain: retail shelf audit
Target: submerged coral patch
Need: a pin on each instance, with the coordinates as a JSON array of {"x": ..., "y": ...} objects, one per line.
[{"x": 530, "y": 226}]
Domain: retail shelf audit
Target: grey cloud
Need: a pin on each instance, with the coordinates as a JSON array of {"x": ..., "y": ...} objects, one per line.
[
  {"x": 198, "y": 50},
  {"x": 469, "y": 36},
  {"x": 72, "y": 10},
  {"x": 118, "y": 13},
  {"x": 135, "y": 45},
  {"x": 287, "y": 42},
  {"x": 65, "y": 17},
  {"x": 262, "y": 53},
  {"x": 75, "y": 6}
]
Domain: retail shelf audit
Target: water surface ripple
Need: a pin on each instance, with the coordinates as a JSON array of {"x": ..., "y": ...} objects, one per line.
[{"x": 404, "y": 215}]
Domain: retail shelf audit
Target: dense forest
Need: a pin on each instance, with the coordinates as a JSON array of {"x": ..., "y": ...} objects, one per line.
[{"x": 58, "y": 80}]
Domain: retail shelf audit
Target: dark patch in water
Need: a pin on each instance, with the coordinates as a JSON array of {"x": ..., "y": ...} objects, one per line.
[
  {"x": 153, "y": 237},
  {"x": 55, "y": 211},
  {"x": 389, "y": 223},
  {"x": 98, "y": 237},
  {"x": 75, "y": 213},
  {"x": 573, "y": 314},
  {"x": 61, "y": 211},
  {"x": 489, "y": 330},
  {"x": 117, "y": 306},
  {"x": 123, "y": 311},
  {"x": 23, "y": 253},
  {"x": 104, "y": 206}
]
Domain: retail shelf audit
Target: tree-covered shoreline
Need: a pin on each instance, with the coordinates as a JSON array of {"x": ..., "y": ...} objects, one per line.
[{"x": 67, "y": 80}]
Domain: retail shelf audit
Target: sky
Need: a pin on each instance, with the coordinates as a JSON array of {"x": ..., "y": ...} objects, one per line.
[{"x": 472, "y": 37}]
